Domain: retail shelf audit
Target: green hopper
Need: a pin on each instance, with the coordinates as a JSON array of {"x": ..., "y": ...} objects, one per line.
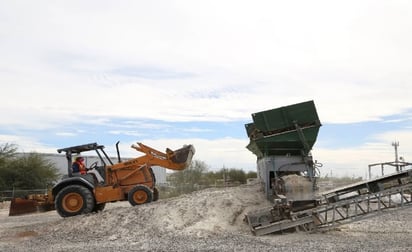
[{"x": 285, "y": 130}]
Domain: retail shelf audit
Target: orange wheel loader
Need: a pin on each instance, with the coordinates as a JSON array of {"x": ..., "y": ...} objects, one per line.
[{"x": 131, "y": 180}]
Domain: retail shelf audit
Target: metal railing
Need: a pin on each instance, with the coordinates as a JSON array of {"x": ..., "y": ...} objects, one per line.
[{"x": 7, "y": 195}]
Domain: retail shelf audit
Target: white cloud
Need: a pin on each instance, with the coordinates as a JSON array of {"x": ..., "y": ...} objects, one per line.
[
  {"x": 125, "y": 132},
  {"x": 67, "y": 134},
  {"x": 346, "y": 56},
  {"x": 204, "y": 61},
  {"x": 26, "y": 144}
]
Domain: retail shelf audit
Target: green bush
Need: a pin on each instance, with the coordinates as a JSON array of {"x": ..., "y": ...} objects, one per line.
[{"x": 29, "y": 171}]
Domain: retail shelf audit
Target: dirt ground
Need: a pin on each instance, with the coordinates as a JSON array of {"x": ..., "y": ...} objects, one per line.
[{"x": 208, "y": 220}]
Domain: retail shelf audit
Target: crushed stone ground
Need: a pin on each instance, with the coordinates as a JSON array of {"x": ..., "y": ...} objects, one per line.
[{"x": 207, "y": 220}]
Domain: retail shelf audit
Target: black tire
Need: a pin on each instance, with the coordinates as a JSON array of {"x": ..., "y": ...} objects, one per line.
[
  {"x": 74, "y": 200},
  {"x": 155, "y": 194},
  {"x": 99, "y": 207},
  {"x": 140, "y": 194}
]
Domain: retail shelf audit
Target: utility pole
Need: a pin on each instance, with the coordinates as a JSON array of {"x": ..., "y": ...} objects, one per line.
[{"x": 395, "y": 145}]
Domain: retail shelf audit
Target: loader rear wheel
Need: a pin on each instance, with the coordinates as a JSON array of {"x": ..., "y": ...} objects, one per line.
[
  {"x": 155, "y": 194},
  {"x": 74, "y": 200},
  {"x": 140, "y": 194}
]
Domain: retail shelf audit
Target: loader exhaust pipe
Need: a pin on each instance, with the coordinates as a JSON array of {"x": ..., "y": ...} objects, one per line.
[{"x": 119, "y": 160}]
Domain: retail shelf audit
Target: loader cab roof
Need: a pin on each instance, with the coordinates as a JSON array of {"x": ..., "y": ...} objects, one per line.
[
  {"x": 75, "y": 150},
  {"x": 81, "y": 148}
]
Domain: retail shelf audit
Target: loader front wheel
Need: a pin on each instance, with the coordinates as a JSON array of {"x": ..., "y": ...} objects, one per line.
[
  {"x": 99, "y": 207},
  {"x": 140, "y": 194},
  {"x": 74, "y": 200}
]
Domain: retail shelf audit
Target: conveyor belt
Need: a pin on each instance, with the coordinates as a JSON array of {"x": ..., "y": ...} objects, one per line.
[{"x": 347, "y": 204}]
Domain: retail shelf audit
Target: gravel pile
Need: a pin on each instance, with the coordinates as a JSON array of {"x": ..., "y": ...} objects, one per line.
[{"x": 208, "y": 220}]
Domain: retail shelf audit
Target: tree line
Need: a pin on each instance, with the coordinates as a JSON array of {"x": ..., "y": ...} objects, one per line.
[{"x": 197, "y": 176}]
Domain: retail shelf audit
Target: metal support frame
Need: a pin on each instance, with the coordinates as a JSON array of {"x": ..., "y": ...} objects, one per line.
[
  {"x": 344, "y": 205},
  {"x": 364, "y": 206}
]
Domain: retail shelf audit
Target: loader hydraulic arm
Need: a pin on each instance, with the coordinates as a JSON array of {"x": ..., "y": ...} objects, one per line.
[{"x": 175, "y": 160}]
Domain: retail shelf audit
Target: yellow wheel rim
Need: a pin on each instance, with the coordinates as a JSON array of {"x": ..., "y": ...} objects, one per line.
[
  {"x": 72, "y": 202},
  {"x": 140, "y": 197}
]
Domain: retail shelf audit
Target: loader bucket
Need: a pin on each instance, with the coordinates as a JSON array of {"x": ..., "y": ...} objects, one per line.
[
  {"x": 182, "y": 157},
  {"x": 19, "y": 206},
  {"x": 31, "y": 204}
]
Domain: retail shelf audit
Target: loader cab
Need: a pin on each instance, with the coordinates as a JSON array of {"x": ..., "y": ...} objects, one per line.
[{"x": 96, "y": 174}]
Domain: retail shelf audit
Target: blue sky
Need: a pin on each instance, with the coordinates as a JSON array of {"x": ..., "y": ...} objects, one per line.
[{"x": 169, "y": 73}]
